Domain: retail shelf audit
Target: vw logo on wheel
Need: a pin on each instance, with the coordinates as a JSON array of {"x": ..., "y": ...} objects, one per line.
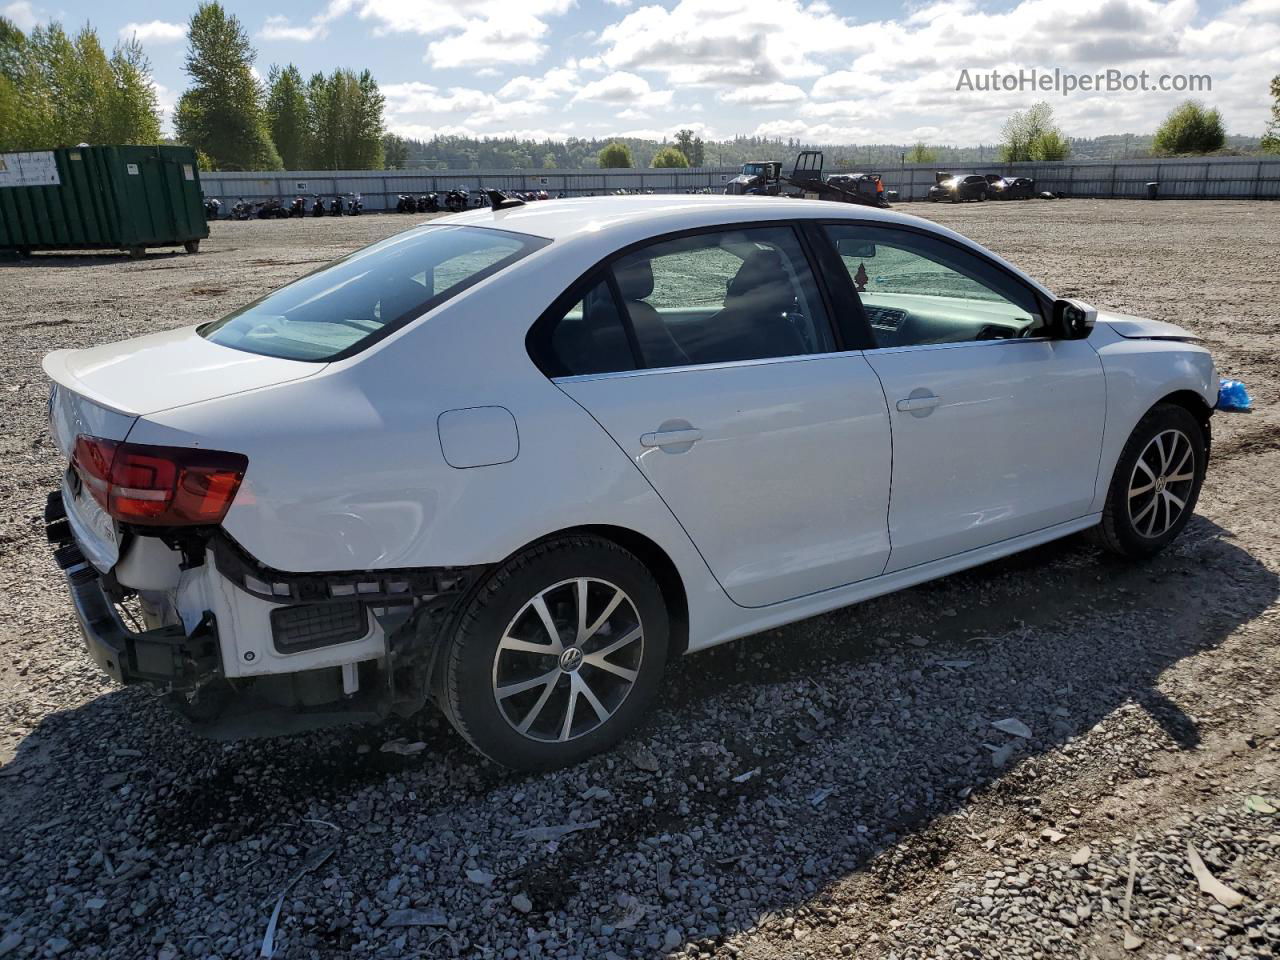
[{"x": 571, "y": 659}]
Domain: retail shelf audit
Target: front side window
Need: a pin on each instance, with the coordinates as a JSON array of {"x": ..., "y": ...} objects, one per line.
[
  {"x": 350, "y": 303},
  {"x": 916, "y": 289},
  {"x": 720, "y": 297}
]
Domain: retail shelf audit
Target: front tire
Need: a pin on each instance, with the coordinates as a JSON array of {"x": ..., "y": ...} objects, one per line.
[
  {"x": 557, "y": 656},
  {"x": 1156, "y": 483}
]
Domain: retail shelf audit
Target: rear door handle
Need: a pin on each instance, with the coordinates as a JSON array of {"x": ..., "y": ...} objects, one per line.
[
  {"x": 918, "y": 403},
  {"x": 670, "y": 438}
]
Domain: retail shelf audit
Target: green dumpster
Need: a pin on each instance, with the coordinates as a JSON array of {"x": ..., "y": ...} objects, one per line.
[{"x": 113, "y": 198}]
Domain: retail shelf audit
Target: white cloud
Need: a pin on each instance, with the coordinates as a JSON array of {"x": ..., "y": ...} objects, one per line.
[
  {"x": 624, "y": 89},
  {"x": 732, "y": 41},
  {"x": 764, "y": 95},
  {"x": 23, "y": 14},
  {"x": 483, "y": 33},
  {"x": 279, "y": 28},
  {"x": 553, "y": 84},
  {"x": 154, "y": 31}
]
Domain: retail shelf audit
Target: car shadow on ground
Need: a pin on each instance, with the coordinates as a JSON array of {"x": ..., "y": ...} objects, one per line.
[
  {"x": 85, "y": 258},
  {"x": 773, "y": 767}
]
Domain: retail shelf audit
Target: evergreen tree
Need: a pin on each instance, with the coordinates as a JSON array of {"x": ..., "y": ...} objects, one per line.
[
  {"x": 344, "y": 122},
  {"x": 395, "y": 151},
  {"x": 222, "y": 114},
  {"x": 287, "y": 115}
]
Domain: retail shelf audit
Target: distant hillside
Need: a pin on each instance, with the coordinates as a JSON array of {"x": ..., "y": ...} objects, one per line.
[{"x": 465, "y": 153}]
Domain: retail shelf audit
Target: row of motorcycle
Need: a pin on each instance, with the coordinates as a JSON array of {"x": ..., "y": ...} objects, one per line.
[
  {"x": 351, "y": 205},
  {"x": 455, "y": 201}
]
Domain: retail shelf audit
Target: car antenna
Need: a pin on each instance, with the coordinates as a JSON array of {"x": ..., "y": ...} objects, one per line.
[{"x": 500, "y": 201}]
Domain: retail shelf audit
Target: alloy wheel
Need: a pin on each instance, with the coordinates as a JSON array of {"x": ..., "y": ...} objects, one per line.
[
  {"x": 568, "y": 659},
  {"x": 1161, "y": 483}
]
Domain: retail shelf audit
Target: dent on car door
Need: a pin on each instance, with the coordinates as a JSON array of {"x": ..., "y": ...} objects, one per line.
[
  {"x": 710, "y": 361},
  {"x": 997, "y": 429}
]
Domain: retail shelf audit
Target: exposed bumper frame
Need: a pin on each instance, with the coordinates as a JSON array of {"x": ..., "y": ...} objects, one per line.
[{"x": 166, "y": 656}]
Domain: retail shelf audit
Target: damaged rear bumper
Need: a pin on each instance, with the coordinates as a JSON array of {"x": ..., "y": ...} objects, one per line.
[
  {"x": 166, "y": 656},
  {"x": 240, "y": 632}
]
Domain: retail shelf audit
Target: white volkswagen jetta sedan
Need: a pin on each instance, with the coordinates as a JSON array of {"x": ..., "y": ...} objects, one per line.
[{"x": 515, "y": 460}]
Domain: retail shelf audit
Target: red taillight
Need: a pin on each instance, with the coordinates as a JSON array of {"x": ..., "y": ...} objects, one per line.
[{"x": 161, "y": 486}]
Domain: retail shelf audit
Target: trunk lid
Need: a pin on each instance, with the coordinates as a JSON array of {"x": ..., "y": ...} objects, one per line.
[
  {"x": 102, "y": 391},
  {"x": 165, "y": 370}
]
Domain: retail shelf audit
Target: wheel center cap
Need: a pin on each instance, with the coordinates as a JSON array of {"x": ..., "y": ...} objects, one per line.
[
  {"x": 1160, "y": 482},
  {"x": 571, "y": 659}
]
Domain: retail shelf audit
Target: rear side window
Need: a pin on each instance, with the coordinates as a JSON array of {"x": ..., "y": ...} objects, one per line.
[
  {"x": 346, "y": 305},
  {"x": 722, "y": 297},
  {"x": 589, "y": 338}
]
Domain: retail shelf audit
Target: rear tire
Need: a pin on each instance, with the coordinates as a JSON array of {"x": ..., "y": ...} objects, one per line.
[
  {"x": 537, "y": 709},
  {"x": 1156, "y": 483}
]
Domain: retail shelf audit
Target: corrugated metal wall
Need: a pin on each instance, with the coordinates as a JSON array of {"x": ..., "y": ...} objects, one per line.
[{"x": 1242, "y": 178}]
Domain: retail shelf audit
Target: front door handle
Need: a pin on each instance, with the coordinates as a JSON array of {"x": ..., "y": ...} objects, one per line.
[
  {"x": 671, "y": 438},
  {"x": 916, "y": 404}
]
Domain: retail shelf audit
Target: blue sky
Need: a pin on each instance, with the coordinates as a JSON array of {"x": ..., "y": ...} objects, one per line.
[{"x": 826, "y": 71}]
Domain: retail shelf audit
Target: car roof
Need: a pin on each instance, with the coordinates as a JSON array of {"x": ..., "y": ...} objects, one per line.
[
  {"x": 592, "y": 227},
  {"x": 560, "y": 219}
]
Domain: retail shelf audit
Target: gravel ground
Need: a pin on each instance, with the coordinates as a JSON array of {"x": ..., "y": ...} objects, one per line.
[{"x": 834, "y": 788}]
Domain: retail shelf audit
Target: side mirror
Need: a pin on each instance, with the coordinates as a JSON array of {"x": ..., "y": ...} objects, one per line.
[
  {"x": 856, "y": 249},
  {"x": 1072, "y": 319}
]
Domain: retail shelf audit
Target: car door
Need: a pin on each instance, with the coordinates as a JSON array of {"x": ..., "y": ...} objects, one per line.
[
  {"x": 710, "y": 360},
  {"x": 997, "y": 428}
]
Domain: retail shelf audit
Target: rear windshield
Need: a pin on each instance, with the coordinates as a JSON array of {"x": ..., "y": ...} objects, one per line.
[{"x": 346, "y": 305}]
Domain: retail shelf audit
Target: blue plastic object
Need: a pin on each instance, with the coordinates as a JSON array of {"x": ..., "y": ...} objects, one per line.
[{"x": 1233, "y": 397}]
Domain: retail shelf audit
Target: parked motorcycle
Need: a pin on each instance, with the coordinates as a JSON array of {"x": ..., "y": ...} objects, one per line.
[
  {"x": 317, "y": 208},
  {"x": 457, "y": 200},
  {"x": 406, "y": 204},
  {"x": 271, "y": 210},
  {"x": 241, "y": 210},
  {"x": 212, "y": 207},
  {"x": 355, "y": 205},
  {"x": 299, "y": 207},
  {"x": 337, "y": 208}
]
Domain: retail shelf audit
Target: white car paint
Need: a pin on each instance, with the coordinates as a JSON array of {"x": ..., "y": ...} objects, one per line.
[{"x": 783, "y": 506}]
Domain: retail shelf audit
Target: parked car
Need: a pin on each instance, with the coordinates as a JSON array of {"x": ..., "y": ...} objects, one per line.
[
  {"x": 1010, "y": 188},
  {"x": 516, "y": 459},
  {"x": 958, "y": 188}
]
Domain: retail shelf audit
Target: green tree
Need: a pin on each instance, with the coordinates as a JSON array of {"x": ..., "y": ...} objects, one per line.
[
  {"x": 615, "y": 156},
  {"x": 56, "y": 90},
  {"x": 1271, "y": 139},
  {"x": 549, "y": 161},
  {"x": 1190, "y": 127},
  {"x": 1033, "y": 135},
  {"x": 921, "y": 154},
  {"x": 222, "y": 112},
  {"x": 134, "y": 113},
  {"x": 13, "y": 71},
  {"x": 395, "y": 151},
  {"x": 344, "y": 120},
  {"x": 670, "y": 157},
  {"x": 692, "y": 147},
  {"x": 287, "y": 114}
]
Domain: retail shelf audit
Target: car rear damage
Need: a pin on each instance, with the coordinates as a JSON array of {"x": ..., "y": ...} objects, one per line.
[{"x": 166, "y": 598}]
